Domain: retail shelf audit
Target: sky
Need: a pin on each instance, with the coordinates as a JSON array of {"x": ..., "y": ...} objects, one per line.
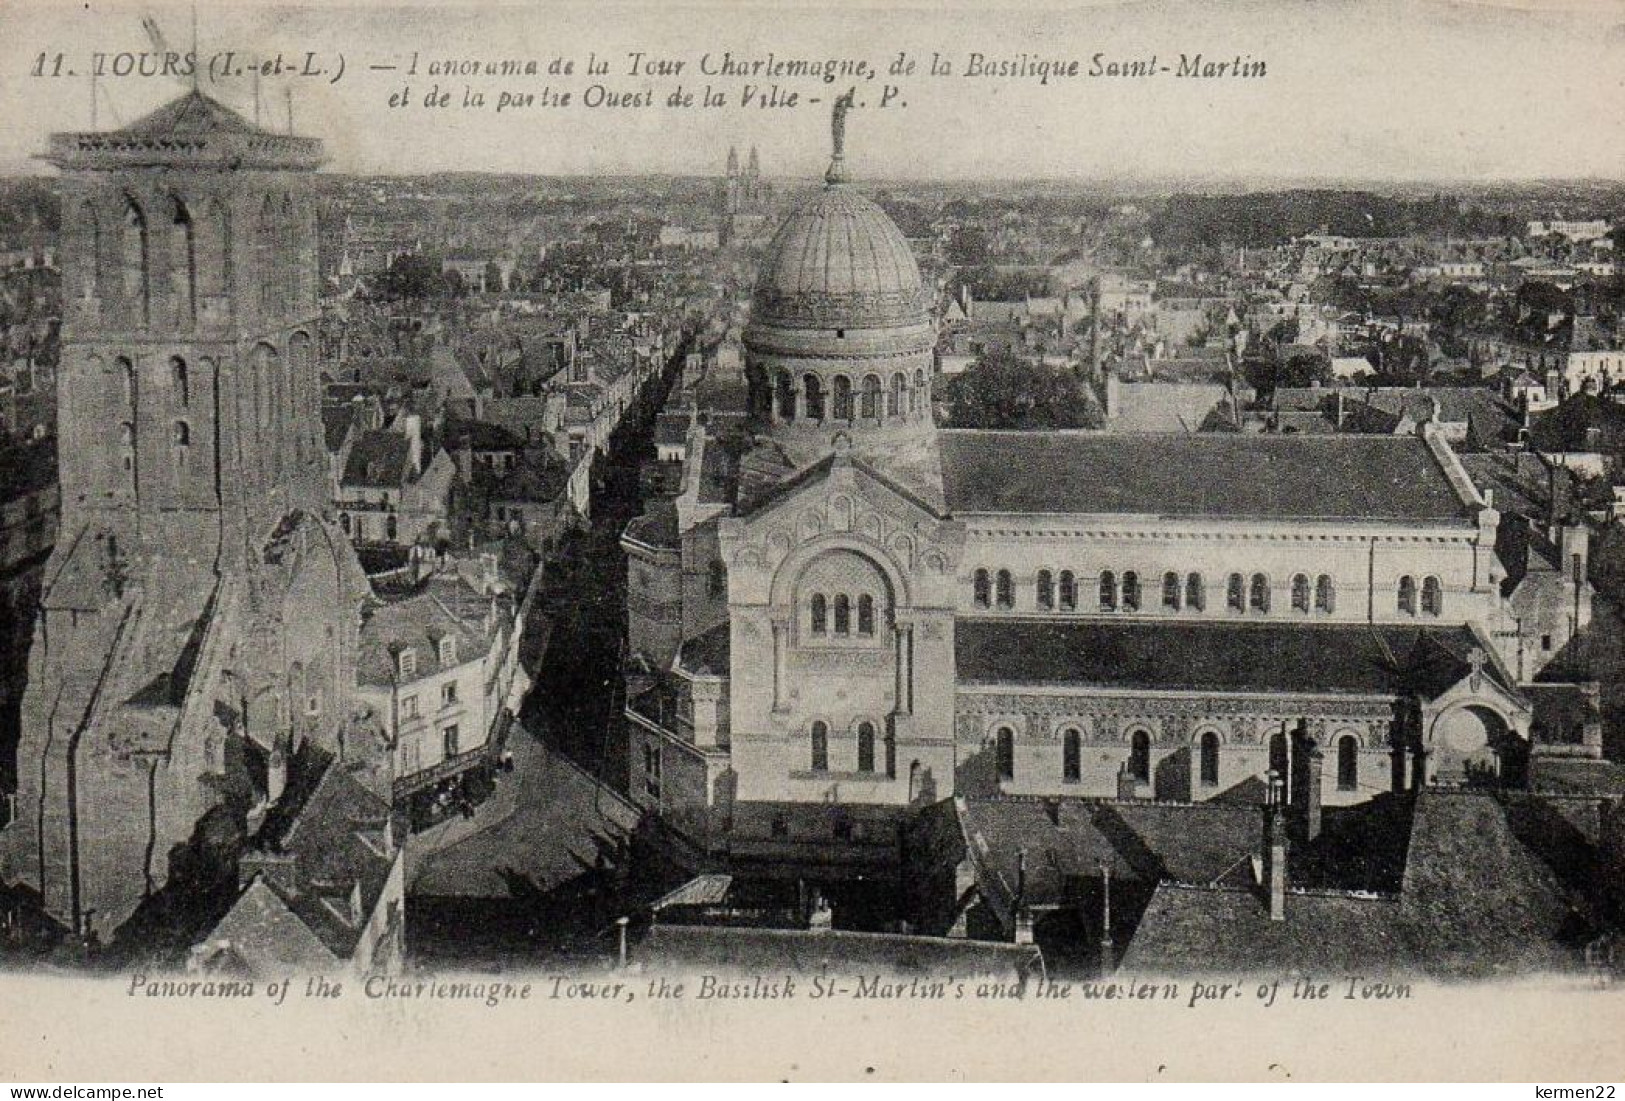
[{"x": 1369, "y": 90}]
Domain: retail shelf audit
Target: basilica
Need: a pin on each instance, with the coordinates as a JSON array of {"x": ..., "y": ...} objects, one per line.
[{"x": 853, "y": 615}]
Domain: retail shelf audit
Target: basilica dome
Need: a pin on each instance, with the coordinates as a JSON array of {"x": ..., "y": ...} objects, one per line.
[{"x": 839, "y": 262}]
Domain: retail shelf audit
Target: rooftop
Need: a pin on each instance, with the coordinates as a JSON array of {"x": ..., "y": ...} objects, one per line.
[
  {"x": 1258, "y": 657},
  {"x": 1208, "y": 475}
]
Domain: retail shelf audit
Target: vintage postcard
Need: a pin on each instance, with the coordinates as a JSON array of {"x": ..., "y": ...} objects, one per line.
[{"x": 724, "y": 541}]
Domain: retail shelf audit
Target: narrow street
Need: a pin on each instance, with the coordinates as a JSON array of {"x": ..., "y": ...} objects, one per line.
[{"x": 551, "y": 877}]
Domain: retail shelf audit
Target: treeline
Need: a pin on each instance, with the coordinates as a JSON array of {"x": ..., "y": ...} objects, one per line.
[
  {"x": 27, "y": 205},
  {"x": 1271, "y": 218}
]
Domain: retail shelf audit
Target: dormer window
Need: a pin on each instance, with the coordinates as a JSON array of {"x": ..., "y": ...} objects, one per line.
[
  {"x": 448, "y": 651},
  {"x": 408, "y": 663}
]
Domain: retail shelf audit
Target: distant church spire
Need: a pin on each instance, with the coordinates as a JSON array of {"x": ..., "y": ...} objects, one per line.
[
  {"x": 733, "y": 161},
  {"x": 837, "y": 127}
]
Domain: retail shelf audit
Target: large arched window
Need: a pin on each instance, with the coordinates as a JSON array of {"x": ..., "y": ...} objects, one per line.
[
  {"x": 267, "y": 253},
  {"x": 897, "y": 401},
  {"x": 843, "y": 398},
  {"x": 1325, "y": 594},
  {"x": 814, "y": 393},
  {"x": 1069, "y": 591},
  {"x": 1432, "y": 597},
  {"x": 843, "y": 614},
  {"x": 1131, "y": 591},
  {"x": 1407, "y": 595},
  {"x": 1139, "y": 756},
  {"x": 1235, "y": 593},
  {"x": 820, "y": 747},
  {"x": 1108, "y": 591},
  {"x": 1005, "y": 747},
  {"x": 1044, "y": 589},
  {"x": 180, "y": 381},
  {"x": 92, "y": 282},
  {"x": 211, "y": 251},
  {"x": 1071, "y": 757},
  {"x": 1210, "y": 759},
  {"x": 137, "y": 264},
  {"x": 1348, "y": 763},
  {"x": 1005, "y": 589},
  {"x": 786, "y": 393},
  {"x": 871, "y": 396},
  {"x": 866, "y": 747},
  {"x": 820, "y": 614},
  {"x": 1259, "y": 598},
  {"x": 982, "y": 589},
  {"x": 866, "y": 614},
  {"x": 1170, "y": 591},
  {"x": 1195, "y": 593},
  {"x": 183, "y": 264},
  {"x": 1300, "y": 592}
]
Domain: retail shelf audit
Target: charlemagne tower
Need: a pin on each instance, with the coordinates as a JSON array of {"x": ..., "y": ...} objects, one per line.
[{"x": 198, "y": 615}]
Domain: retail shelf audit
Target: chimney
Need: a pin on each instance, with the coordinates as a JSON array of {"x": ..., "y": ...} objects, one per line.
[
  {"x": 276, "y": 772},
  {"x": 1275, "y": 849},
  {"x": 1024, "y": 926}
]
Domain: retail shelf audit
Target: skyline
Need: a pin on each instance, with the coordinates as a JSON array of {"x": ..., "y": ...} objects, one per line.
[{"x": 1512, "y": 96}]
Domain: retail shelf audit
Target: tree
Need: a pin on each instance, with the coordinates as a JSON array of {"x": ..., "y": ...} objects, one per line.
[
  {"x": 410, "y": 276},
  {"x": 1002, "y": 390}
]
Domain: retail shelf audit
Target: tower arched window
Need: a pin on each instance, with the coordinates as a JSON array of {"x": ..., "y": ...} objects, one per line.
[
  {"x": 813, "y": 391},
  {"x": 866, "y": 747},
  {"x": 1300, "y": 593},
  {"x": 1005, "y": 587},
  {"x": 1069, "y": 591},
  {"x": 1131, "y": 591},
  {"x": 871, "y": 397},
  {"x": 1407, "y": 595},
  {"x": 1171, "y": 591},
  {"x": 843, "y": 614},
  {"x": 180, "y": 380},
  {"x": 1325, "y": 594},
  {"x": 1005, "y": 750},
  {"x": 866, "y": 614},
  {"x": 183, "y": 264},
  {"x": 1259, "y": 596},
  {"x": 1432, "y": 597},
  {"x": 93, "y": 281},
  {"x": 183, "y": 434},
  {"x": 1071, "y": 757},
  {"x": 820, "y": 746},
  {"x": 819, "y": 621},
  {"x": 137, "y": 264},
  {"x": 1195, "y": 593},
  {"x": 1108, "y": 591},
  {"x": 1045, "y": 589},
  {"x": 268, "y": 253},
  {"x": 1235, "y": 593},
  {"x": 1139, "y": 756},
  {"x": 843, "y": 398},
  {"x": 897, "y": 400},
  {"x": 786, "y": 396},
  {"x": 1348, "y": 763},
  {"x": 981, "y": 589}
]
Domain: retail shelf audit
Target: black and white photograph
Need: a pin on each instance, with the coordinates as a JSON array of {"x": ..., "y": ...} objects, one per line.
[{"x": 853, "y": 541}]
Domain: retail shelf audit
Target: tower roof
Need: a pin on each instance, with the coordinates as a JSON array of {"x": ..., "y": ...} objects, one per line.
[
  {"x": 194, "y": 130},
  {"x": 839, "y": 262}
]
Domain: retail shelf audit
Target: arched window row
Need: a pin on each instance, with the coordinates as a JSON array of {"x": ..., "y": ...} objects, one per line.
[
  {"x": 835, "y": 614},
  {"x": 1125, "y": 591},
  {"x": 1431, "y": 602},
  {"x": 866, "y": 735},
  {"x": 873, "y": 396}
]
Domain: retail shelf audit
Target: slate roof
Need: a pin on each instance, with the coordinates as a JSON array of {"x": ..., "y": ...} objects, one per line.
[
  {"x": 1159, "y": 655},
  {"x": 336, "y": 423},
  {"x": 1193, "y": 930},
  {"x": 480, "y": 436},
  {"x": 379, "y": 459},
  {"x": 193, "y": 113},
  {"x": 1209, "y": 475},
  {"x": 445, "y": 606}
]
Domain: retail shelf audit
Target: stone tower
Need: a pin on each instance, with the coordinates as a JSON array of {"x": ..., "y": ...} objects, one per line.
[{"x": 196, "y": 600}]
